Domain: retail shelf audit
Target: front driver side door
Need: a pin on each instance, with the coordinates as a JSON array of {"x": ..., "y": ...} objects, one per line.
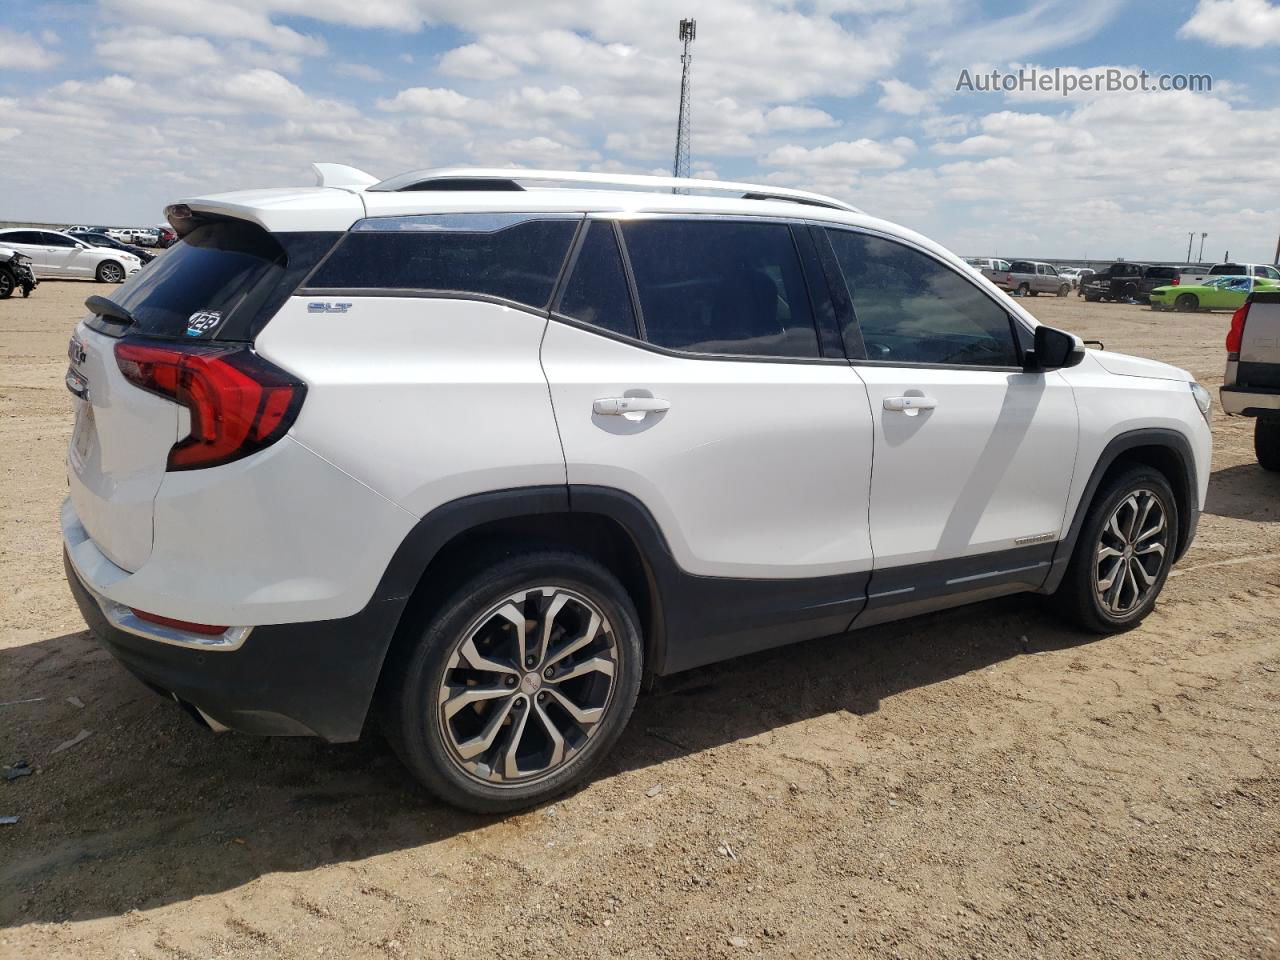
[{"x": 973, "y": 456}]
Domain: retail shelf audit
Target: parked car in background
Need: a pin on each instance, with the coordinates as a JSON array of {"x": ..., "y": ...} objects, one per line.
[
  {"x": 1124, "y": 281},
  {"x": 15, "y": 273},
  {"x": 167, "y": 237},
  {"x": 579, "y": 447},
  {"x": 1216, "y": 293},
  {"x": 1031, "y": 277},
  {"x": 56, "y": 255},
  {"x": 994, "y": 269},
  {"x": 102, "y": 240},
  {"x": 1251, "y": 384},
  {"x": 1233, "y": 269}
]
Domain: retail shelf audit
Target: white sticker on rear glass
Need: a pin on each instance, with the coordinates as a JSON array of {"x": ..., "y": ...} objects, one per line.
[{"x": 203, "y": 321}]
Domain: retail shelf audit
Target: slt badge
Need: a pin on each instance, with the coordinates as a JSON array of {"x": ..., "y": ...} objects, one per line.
[{"x": 324, "y": 306}]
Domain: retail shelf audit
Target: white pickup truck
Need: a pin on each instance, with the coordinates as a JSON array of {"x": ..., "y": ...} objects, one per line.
[
  {"x": 1190, "y": 276},
  {"x": 1251, "y": 386}
]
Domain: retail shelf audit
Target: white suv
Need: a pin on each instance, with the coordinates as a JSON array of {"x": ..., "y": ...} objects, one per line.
[{"x": 474, "y": 455}]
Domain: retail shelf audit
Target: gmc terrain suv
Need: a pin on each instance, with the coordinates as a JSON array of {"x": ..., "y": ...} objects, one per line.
[{"x": 472, "y": 453}]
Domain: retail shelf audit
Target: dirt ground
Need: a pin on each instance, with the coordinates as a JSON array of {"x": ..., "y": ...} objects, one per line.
[{"x": 980, "y": 783}]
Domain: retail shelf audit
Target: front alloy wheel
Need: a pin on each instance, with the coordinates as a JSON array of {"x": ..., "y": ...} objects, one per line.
[
  {"x": 1121, "y": 559},
  {"x": 111, "y": 272},
  {"x": 527, "y": 685},
  {"x": 1131, "y": 553}
]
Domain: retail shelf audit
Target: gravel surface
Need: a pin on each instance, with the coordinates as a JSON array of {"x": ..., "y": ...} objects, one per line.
[{"x": 978, "y": 783}]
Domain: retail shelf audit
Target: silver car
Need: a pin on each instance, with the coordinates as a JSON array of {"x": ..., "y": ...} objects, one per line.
[{"x": 1031, "y": 277}]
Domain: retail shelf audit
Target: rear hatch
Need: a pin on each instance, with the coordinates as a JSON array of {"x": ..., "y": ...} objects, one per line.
[
  {"x": 1260, "y": 343},
  {"x": 220, "y": 283}
]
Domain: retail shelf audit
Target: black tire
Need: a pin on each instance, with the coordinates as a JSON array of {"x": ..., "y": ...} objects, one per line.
[
  {"x": 1129, "y": 291},
  {"x": 1187, "y": 302},
  {"x": 1077, "y": 597},
  {"x": 1024, "y": 289},
  {"x": 1266, "y": 442},
  {"x": 106, "y": 272},
  {"x": 8, "y": 283},
  {"x": 1064, "y": 290},
  {"x": 413, "y": 721}
]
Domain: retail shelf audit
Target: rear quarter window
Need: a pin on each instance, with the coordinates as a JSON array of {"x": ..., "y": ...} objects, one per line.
[{"x": 509, "y": 256}]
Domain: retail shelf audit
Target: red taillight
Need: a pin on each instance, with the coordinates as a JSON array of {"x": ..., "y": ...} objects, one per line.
[
  {"x": 187, "y": 625},
  {"x": 1236, "y": 334},
  {"x": 1176, "y": 281},
  {"x": 239, "y": 402}
]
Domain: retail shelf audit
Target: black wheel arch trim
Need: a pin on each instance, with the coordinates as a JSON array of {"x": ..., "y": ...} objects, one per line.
[{"x": 1188, "y": 519}]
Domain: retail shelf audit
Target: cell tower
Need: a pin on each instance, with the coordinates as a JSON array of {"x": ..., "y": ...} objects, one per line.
[{"x": 688, "y": 31}]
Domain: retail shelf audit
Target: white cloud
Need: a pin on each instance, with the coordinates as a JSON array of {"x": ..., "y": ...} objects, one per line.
[
  {"x": 900, "y": 97},
  {"x": 21, "y": 51},
  {"x": 798, "y": 118},
  {"x": 8, "y": 133},
  {"x": 478, "y": 62},
  {"x": 1235, "y": 23},
  {"x": 360, "y": 71},
  {"x": 148, "y": 50},
  {"x": 215, "y": 18},
  {"x": 433, "y": 101},
  {"x": 851, "y": 156}
]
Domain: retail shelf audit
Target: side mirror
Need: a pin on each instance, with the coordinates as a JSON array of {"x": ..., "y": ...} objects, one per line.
[{"x": 1053, "y": 350}]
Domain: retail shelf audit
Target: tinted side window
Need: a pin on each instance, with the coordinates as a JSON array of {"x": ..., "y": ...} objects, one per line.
[
  {"x": 1022, "y": 266},
  {"x": 496, "y": 255},
  {"x": 722, "y": 287},
  {"x": 56, "y": 240},
  {"x": 1227, "y": 269},
  {"x": 913, "y": 309},
  {"x": 21, "y": 236},
  {"x": 597, "y": 291}
]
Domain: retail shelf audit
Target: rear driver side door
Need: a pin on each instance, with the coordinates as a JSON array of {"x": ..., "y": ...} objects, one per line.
[{"x": 692, "y": 375}]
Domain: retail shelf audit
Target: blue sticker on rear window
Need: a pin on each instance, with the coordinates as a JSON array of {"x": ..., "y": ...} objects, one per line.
[{"x": 202, "y": 322}]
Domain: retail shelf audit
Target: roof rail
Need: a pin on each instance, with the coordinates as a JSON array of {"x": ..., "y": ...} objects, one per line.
[{"x": 504, "y": 178}]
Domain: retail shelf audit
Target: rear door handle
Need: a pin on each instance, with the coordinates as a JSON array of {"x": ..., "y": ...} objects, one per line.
[
  {"x": 624, "y": 406},
  {"x": 909, "y": 405}
]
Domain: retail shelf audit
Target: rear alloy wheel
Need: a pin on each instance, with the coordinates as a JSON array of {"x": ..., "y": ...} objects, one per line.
[
  {"x": 1064, "y": 289},
  {"x": 110, "y": 272},
  {"x": 1187, "y": 302},
  {"x": 1266, "y": 442},
  {"x": 7, "y": 283},
  {"x": 1123, "y": 554},
  {"x": 521, "y": 683},
  {"x": 1130, "y": 291}
]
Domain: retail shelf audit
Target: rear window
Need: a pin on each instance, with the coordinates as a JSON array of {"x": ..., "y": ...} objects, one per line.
[
  {"x": 510, "y": 256},
  {"x": 1162, "y": 273},
  {"x": 217, "y": 272},
  {"x": 1023, "y": 266},
  {"x": 1228, "y": 269}
]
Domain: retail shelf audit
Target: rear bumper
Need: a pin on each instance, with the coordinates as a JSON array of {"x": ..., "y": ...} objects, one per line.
[
  {"x": 304, "y": 679},
  {"x": 1249, "y": 401}
]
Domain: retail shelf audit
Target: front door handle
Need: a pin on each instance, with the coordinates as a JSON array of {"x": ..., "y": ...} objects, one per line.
[
  {"x": 911, "y": 406},
  {"x": 627, "y": 406}
]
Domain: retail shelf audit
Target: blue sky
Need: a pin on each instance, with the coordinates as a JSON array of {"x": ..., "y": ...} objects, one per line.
[{"x": 110, "y": 109}]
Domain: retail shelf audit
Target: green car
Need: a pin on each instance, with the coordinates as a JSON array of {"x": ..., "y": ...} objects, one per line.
[{"x": 1216, "y": 293}]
